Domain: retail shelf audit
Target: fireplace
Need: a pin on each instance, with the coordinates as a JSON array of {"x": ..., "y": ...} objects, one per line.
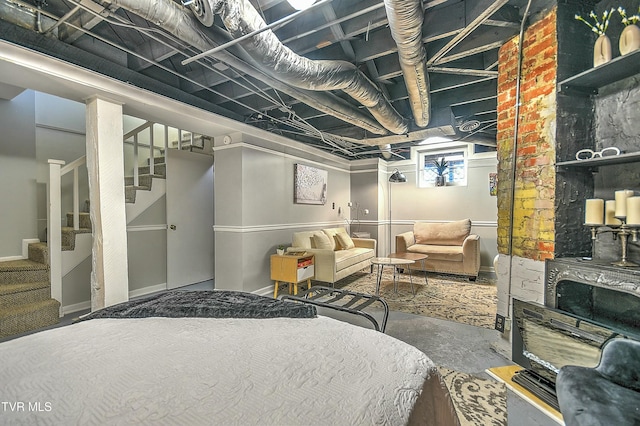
[{"x": 586, "y": 304}]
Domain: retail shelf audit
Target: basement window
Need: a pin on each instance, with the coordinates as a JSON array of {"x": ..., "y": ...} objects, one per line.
[{"x": 455, "y": 174}]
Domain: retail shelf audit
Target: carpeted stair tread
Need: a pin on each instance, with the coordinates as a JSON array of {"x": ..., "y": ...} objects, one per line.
[
  {"x": 22, "y": 265},
  {"x": 23, "y": 318},
  {"x": 143, "y": 180},
  {"x": 38, "y": 252},
  {"x": 159, "y": 169},
  {"x": 12, "y": 295},
  {"x": 84, "y": 220},
  {"x": 22, "y": 287},
  {"x": 23, "y": 271},
  {"x": 156, "y": 160},
  {"x": 69, "y": 237},
  {"x": 76, "y": 231}
]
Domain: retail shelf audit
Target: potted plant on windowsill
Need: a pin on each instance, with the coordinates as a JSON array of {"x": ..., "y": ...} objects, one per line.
[{"x": 441, "y": 167}]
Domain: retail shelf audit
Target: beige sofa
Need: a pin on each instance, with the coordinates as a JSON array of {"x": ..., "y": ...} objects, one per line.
[
  {"x": 336, "y": 254},
  {"x": 451, "y": 247}
]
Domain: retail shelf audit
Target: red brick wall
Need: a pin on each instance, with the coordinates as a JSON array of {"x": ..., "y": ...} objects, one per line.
[{"x": 533, "y": 231}]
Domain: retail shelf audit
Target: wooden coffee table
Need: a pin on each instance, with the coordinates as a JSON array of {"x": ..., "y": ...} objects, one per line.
[{"x": 416, "y": 257}]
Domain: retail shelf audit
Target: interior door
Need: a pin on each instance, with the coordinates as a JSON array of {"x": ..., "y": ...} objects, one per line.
[{"x": 190, "y": 239}]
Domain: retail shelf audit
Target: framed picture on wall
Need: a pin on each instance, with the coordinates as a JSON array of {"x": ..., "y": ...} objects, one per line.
[{"x": 310, "y": 185}]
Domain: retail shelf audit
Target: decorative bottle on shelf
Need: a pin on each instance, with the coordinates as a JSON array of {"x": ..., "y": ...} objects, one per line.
[
  {"x": 601, "y": 50},
  {"x": 629, "y": 39}
]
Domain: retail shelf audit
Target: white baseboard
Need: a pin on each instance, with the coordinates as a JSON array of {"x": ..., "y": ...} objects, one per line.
[
  {"x": 147, "y": 290},
  {"x": 264, "y": 291},
  {"x": 8, "y": 258},
  {"x": 82, "y": 306},
  {"x": 25, "y": 250},
  {"x": 25, "y": 246}
]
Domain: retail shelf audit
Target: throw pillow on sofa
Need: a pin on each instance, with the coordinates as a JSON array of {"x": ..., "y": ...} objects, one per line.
[
  {"x": 322, "y": 241},
  {"x": 345, "y": 241},
  {"x": 443, "y": 234}
]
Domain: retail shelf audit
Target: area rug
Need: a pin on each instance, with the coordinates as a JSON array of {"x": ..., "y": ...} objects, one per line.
[
  {"x": 477, "y": 401},
  {"x": 446, "y": 297}
]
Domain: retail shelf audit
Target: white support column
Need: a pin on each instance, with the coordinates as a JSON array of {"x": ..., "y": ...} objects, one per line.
[
  {"x": 54, "y": 230},
  {"x": 105, "y": 164}
]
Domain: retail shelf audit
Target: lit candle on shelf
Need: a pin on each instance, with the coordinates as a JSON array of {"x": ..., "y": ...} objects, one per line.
[
  {"x": 594, "y": 209},
  {"x": 610, "y": 213},
  {"x": 621, "y": 202},
  {"x": 633, "y": 211}
]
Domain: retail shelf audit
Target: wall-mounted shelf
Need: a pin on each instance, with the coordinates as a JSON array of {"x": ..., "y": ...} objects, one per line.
[
  {"x": 589, "y": 81},
  {"x": 631, "y": 157}
]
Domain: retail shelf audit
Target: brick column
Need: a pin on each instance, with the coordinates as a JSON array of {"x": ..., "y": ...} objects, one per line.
[{"x": 533, "y": 218}]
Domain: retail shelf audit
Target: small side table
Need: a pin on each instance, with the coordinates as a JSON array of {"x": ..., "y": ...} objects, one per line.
[{"x": 292, "y": 269}]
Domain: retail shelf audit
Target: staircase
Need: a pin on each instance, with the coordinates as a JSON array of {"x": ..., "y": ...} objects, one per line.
[
  {"x": 145, "y": 179},
  {"x": 25, "y": 289}
]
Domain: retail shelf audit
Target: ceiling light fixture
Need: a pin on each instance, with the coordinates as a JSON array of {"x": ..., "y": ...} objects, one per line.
[{"x": 301, "y": 4}]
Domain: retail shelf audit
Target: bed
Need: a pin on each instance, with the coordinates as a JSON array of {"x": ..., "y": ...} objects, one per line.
[{"x": 168, "y": 362}]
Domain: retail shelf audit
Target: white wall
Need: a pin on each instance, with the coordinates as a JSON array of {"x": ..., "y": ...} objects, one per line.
[{"x": 18, "y": 191}]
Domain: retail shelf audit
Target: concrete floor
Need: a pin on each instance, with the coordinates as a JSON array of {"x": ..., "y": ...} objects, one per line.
[
  {"x": 451, "y": 345},
  {"x": 463, "y": 348}
]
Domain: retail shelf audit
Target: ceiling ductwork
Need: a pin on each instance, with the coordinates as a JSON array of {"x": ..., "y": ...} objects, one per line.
[
  {"x": 179, "y": 22},
  {"x": 346, "y": 77},
  {"x": 241, "y": 18},
  {"x": 405, "y": 22}
]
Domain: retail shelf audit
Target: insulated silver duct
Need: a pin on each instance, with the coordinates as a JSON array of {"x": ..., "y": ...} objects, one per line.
[
  {"x": 240, "y": 18},
  {"x": 180, "y": 22},
  {"x": 405, "y": 22}
]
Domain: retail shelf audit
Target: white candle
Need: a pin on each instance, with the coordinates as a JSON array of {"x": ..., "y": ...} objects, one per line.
[
  {"x": 621, "y": 202},
  {"x": 633, "y": 210},
  {"x": 594, "y": 209},
  {"x": 610, "y": 213}
]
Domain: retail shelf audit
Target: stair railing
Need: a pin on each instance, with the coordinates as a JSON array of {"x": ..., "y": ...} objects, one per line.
[
  {"x": 54, "y": 218},
  {"x": 73, "y": 167},
  {"x": 133, "y": 137}
]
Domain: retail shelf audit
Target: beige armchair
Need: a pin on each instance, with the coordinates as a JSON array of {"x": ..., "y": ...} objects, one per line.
[{"x": 451, "y": 247}]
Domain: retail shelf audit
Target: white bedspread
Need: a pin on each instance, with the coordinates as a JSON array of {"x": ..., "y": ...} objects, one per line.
[{"x": 194, "y": 371}]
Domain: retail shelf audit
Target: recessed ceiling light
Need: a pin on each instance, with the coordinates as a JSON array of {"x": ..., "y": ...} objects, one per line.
[{"x": 301, "y": 4}]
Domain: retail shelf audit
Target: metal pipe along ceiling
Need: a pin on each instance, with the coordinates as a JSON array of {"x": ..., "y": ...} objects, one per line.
[
  {"x": 179, "y": 22},
  {"x": 240, "y": 18},
  {"x": 405, "y": 22}
]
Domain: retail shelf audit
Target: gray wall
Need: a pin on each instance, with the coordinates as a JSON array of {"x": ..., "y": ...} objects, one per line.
[
  {"x": 18, "y": 191},
  {"x": 255, "y": 212},
  {"x": 443, "y": 204},
  {"x": 60, "y": 135},
  {"x": 147, "y": 247}
]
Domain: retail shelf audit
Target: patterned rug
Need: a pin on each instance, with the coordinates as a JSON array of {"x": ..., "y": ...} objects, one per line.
[
  {"x": 477, "y": 401},
  {"x": 446, "y": 296}
]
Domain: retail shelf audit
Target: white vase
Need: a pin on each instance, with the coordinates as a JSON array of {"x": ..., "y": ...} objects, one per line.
[
  {"x": 280, "y": 252},
  {"x": 601, "y": 50},
  {"x": 629, "y": 39}
]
